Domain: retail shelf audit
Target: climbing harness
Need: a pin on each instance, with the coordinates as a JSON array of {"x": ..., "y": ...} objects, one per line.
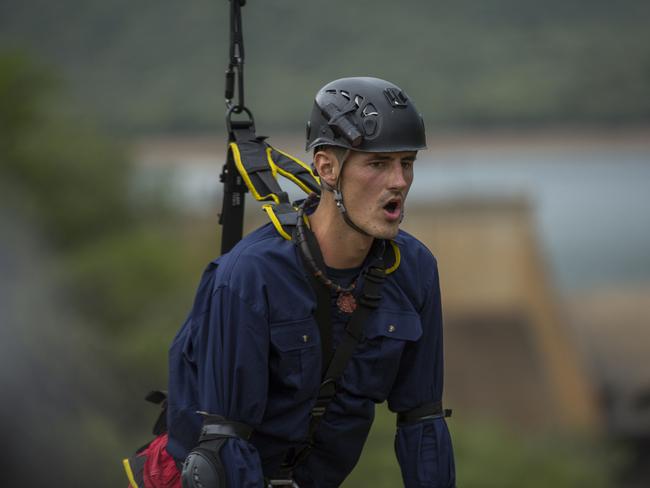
[{"x": 252, "y": 165}]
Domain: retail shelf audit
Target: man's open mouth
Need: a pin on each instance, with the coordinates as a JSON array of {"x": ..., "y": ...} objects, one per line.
[
  {"x": 391, "y": 206},
  {"x": 393, "y": 209}
]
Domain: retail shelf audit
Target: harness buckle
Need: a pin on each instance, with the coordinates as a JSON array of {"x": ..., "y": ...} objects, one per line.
[
  {"x": 318, "y": 410},
  {"x": 286, "y": 483}
]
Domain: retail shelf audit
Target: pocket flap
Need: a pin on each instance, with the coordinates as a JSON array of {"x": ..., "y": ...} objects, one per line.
[
  {"x": 290, "y": 336},
  {"x": 405, "y": 326}
]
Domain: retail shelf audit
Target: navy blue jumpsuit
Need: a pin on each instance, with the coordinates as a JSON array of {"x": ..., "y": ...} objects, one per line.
[{"x": 249, "y": 351}]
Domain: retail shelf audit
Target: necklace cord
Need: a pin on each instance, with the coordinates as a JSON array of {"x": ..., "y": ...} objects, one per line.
[{"x": 310, "y": 250}]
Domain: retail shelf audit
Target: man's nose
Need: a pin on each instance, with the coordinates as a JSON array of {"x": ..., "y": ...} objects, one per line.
[{"x": 398, "y": 179}]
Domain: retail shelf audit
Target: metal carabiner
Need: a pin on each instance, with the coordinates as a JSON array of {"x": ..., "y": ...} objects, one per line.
[{"x": 237, "y": 109}]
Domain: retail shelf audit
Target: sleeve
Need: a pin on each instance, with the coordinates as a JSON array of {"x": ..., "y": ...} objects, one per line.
[
  {"x": 424, "y": 448},
  {"x": 231, "y": 357}
]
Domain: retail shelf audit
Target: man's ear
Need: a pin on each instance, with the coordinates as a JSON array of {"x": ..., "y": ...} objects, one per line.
[{"x": 326, "y": 166}]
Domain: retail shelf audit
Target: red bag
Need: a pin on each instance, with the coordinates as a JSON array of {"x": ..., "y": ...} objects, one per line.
[{"x": 153, "y": 467}]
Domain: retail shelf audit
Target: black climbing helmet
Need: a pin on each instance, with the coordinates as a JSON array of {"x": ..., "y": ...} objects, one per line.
[{"x": 365, "y": 114}]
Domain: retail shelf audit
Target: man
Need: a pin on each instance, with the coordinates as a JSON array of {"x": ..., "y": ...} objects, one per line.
[{"x": 251, "y": 356}]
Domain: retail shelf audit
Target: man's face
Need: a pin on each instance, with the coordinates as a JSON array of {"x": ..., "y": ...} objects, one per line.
[{"x": 374, "y": 187}]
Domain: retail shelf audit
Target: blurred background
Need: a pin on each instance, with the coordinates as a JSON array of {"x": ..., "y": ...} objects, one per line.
[{"x": 533, "y": 195}]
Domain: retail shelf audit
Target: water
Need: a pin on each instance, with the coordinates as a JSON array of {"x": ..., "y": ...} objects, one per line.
[{"x": 591, "y": 204}]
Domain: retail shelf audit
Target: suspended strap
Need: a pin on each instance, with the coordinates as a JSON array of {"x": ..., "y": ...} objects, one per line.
[
  {"x": 255, "y": 166},
  {"x": 251, "y": 163},
  {"x": 424, "y": 412},
  {"x": 235, "y": 71},
  {"x": 231, "y": 217}
]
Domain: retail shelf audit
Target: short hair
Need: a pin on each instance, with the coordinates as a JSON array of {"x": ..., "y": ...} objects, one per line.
[{"x": 338, "y": 151}]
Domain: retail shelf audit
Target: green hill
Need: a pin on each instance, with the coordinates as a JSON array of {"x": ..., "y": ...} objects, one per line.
[{"x": 158, "y": 65}]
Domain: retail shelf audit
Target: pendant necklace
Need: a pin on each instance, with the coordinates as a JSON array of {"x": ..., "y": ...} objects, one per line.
[{"x": 345, "y": 300}]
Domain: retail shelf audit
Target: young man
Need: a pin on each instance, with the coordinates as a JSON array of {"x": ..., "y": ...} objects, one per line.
[{"x": 246, "y": 406}]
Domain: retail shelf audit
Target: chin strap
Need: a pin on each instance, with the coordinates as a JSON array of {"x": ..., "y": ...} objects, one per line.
[{"x": 338, "y": 198}]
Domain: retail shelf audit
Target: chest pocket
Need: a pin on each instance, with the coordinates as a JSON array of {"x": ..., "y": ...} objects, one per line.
[
  {"x": 295, "y": 358},
  {"x": 400, "y": 326},
  {"x": 376, "y": 363}
]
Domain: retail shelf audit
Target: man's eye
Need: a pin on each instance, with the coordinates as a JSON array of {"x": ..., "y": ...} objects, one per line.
[
  {"x": 407, "y": 164},
  {"x": 376, "y": 164}
]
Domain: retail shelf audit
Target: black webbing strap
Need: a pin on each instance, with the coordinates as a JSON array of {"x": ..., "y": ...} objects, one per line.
[
  {"x": 232, "y": 209},
  {"x": 234, "y": 189},
  {"x": 235, "y": 71},
  {"x": 323, "y": 312},
  {"x": 424, "y": 412},
  {"x": 286, "y": 215},
  {"x": 217, "y": 427},
  {"x": 294, "y": 170},
  {"x": 368, "y": 300},
  {"x": 251, "y": 167},
  {"x": 259, "y": 161},
  {"x": 370, "y": 295},
  {"x": 251, "y": 164},
  {"x": 252, "y": 156},
  {"x": 254, "y": 161}
]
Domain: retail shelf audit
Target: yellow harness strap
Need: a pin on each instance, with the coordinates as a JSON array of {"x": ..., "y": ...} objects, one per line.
[{"x": 259, "y": 164}]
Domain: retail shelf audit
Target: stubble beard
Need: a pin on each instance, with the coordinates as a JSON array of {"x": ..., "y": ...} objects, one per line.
[{"x": 381, "y": 230}]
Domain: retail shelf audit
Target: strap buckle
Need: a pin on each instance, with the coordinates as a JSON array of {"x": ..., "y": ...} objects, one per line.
[
  {"x": 319, "y": 410},
  {"x": 288, "y": 483},
  {"x": 326, "y": 392}
]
